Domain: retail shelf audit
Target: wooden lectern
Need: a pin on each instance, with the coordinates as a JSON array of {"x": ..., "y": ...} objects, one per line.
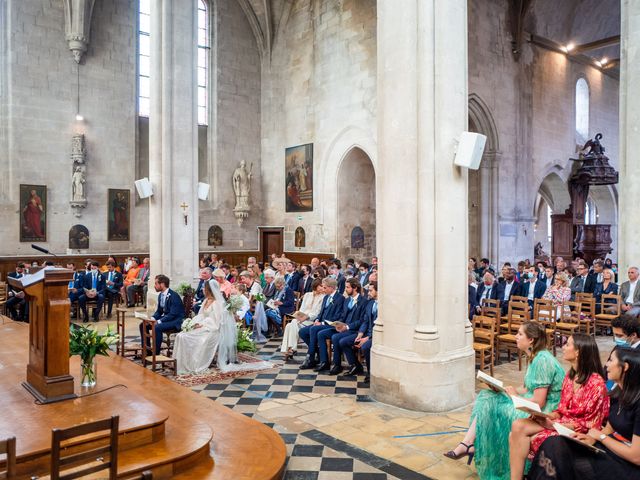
[{"x": 48, "y": 378}]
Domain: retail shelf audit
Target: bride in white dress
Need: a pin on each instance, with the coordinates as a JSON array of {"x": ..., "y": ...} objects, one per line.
[{"x": 194, "y": 350}]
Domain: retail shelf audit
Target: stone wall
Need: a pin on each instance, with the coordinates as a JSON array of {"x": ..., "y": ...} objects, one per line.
[{"x": 319, "y": 87}]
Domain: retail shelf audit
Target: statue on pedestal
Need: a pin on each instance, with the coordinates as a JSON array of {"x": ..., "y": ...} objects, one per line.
[
  {"x": 242, "y": 187},
  {"x": 78, "y": 176},
  {"x": 77, "y": 186}
]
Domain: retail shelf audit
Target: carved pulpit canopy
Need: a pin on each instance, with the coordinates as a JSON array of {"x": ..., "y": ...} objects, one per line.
[
  {"x": 595, "y": 168},
  {"x": 78, "y": 25}
]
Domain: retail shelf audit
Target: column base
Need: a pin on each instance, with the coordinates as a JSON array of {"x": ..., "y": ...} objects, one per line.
[{"x": 435, "y": 384}]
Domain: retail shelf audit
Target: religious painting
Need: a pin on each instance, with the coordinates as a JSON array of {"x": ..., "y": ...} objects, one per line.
[
  {"x": 118, "y": 202},
  {"x": 300, "y": 237},
  {"x": 33, "y": 213},
  {"x": 79, "y": 237},
  {"x": 299, "y": 178},
  {"x": 357, "y": 237},
  {"x": 215, "y": 236}
]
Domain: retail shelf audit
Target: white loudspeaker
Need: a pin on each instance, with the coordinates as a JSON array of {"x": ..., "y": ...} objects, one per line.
[
  {"x": 144, "y": 187},
  {"x": 203, "y": 191},
  {"x": 470, "y": 149}
]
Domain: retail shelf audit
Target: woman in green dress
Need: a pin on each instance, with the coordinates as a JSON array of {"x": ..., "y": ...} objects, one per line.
[{"x": 493, "y": 413}]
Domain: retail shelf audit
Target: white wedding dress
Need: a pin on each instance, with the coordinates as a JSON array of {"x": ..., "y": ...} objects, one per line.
[{"x": 194, "y": 350}]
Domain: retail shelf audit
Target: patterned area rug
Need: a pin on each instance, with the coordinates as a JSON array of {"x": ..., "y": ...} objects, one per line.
[{"x": 214, "y": 375}]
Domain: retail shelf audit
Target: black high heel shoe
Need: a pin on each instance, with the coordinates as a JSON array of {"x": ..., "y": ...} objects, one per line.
[{"x": 453, "y": 456}]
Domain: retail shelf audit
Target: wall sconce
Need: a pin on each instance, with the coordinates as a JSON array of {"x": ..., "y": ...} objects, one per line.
[{"x": 185, "y": 212}]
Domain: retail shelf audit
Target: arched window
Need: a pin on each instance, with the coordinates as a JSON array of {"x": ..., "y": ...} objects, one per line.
[
  {"x": 582, "y": 110},
  {"x": 590, "y": 212},
  {"x": 203, "y": 62},
  {"x": 144, "y": 55}
]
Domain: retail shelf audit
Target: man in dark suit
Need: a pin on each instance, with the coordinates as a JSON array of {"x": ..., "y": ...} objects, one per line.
[
  {"x": 15, "y": 298},
  {"x": 269, "y": 289},
  {"x": 75, "y": 285},
  {"x": 113, "y": 283},
  {"x": 205, "y": 276},
  {"x": 335, "y": 270},
  {"x": 579, "y": 281},
  {"x": 532, "y": 288},
  {"x": 93, "y": 287},
  {"x": 304, "y": 284},
  {"x": 594, "y": 277},
  {"x": 507, "y": 289},
  {"x": 352, "y": 314},
  {"x": 487, "y": 289},
  {"x": 292, "y": 277},
  {"x": 363, "y": 275},
  {"x": 549, "y": 276},
  {"x": 331, "y": 310},
  {"x": 284, "y": 302},
  {"x": 169, "y": 313}
]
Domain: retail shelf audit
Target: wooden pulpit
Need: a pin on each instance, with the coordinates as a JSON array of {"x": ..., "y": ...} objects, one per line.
[{"x": 46, "y": 291}]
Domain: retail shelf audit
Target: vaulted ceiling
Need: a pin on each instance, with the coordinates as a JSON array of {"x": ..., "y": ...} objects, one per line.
[{"x": 265, "y": 18}]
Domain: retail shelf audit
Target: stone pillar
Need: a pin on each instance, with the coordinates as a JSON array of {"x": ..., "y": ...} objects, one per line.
[
  {"x": 173, "y": 140},
  {"x": 629, "y": 194},
  {"x": 422, "y": 356}
]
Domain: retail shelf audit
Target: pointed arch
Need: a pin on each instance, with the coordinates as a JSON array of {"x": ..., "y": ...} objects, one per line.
[{"x": 480, "y": 117}]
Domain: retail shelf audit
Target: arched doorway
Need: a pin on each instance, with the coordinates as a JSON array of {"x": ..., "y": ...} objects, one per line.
[
  {"x": 552, "y": 199},
  {"x": 356, "y": 206}
]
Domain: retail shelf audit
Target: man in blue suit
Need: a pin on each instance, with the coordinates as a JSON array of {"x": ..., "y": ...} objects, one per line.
[
  {"x": 330, "y": 311},
  {"x": 487, "y": 289},
  {"x": 75, "y": 285},
  {"x": 93, "y": 287},
  {"x": 16, "y": 298},
  {"x": 113, "y": 283},
  {"x": 532, "y": 288},
  {"x": 506, "y": 289},
  {"x": 169, "y": 314},
  {"x": 363, "y": 339},
  {"x": 284, "y": 302},
  {"x": 352, "y": 315}
]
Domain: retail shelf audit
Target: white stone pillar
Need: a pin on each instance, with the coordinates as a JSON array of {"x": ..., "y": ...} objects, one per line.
[
  {"x": 173, "y": 140},
  {"x": 422, "y": 357},
  {"x": 629, "y": 193}
]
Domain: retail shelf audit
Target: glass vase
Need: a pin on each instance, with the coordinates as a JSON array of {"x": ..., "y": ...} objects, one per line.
[{"x": 89, "y": 373}]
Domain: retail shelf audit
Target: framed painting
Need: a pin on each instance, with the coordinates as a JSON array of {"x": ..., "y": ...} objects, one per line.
[
  {"x": 118, "y": 215},
  {"x": 215, "y": 236},
  {"x": 357, "y": 237},
  {"x": 33, "y": 213},
  {"x": 298, "y": 163},
  {"x": 79, "y": 237}
]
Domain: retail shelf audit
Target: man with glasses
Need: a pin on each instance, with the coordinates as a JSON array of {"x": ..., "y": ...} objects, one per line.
[
  {"x": 579, "y": 281},
  {"x": 629, "y": 291}
]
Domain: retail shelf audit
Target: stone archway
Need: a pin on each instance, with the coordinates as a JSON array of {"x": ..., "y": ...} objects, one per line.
[{"x": 356, "y": 205}]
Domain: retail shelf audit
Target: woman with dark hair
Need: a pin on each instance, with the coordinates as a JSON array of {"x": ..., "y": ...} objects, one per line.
[
  {"x": 560, "y": 458},
  {"x": 494, "y": 412},
  {"x": 584, "y": 403}
]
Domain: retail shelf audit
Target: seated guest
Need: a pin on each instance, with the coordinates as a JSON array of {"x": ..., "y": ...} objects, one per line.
[
  {"x": 16, "y": 303},
  {"x": 225, "y": 285},
  {"x": 330, "y": 311},
  {"x": 520, "y": 273},
  {"x": 363, "y": 273},
  {"x": 352, "y": 314},
  {"x": 578, "y": 280},
  {"x": 626, "y": 331},
  {"x": 253, "y": 287},
  {"x": 363, "y": 339},
  {"x": 113, "y": 284},
  {"x": 304, "y": 317},
  {"x": 75, "y": 284},
  {"x": 306, "y": 280},
  {"x": 507, "y": 289},
  {"x": 532, "y": 288},
  {"x": 129, "y": 279},
  {"x": 240, "y": 290},
  {"x": 488, "y": 289},
  {"x": 549, "y": 276},
  {"x": 139, "y": 283},
  {"x": 493, "y": 412},
  {"x": 606, "y": 287},
  {"x": 198, "y": 296},
  {"x": 558, "y": 293},
  {"x": 584, "y": 403},
  {"x": 169, "y": 313},
  {"x": 284, "y": 302},
  {"x": 226, "y": 268},
  {"x": 560, "y": 458},
  {"x": 335, "y": 269},
  {"x": 629, "y": 291},
  {"x": 105, "y": 268},
  {"x": 472, "y": 287},
  {"x": 93, "y": 287},
  {"x": 292, "y": 276},
  {"x": 594, "y": 277},
  {"x": 269, "y": 289}
]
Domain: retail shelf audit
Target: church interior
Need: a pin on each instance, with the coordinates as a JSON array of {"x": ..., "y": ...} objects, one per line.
[{"x": 236, "y": 236}]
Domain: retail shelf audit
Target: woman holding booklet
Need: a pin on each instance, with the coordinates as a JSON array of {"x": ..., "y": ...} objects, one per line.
[
  {"x": 584, "y": 404},
  {"x": 309, "y": 311},
  {"x": 494, "y": 411},
  {"x": 617, "y": 452}
]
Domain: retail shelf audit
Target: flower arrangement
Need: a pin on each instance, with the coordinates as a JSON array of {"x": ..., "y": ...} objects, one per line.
[
  {"x": 245, "y": 344},
  {"x": 188, "y": 324},
  {"x": 234, "y": 303},
  {"x": 184, "y": 289},
  {"x": 87, "y": 343},
  {"x": 260, "y": 297}
]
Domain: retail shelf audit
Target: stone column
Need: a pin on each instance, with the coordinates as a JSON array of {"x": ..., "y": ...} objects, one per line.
[
  {"x": 628, "y": 192},
  {"x": 173, "y": 140},
  {"x": 422, "y": 356}
]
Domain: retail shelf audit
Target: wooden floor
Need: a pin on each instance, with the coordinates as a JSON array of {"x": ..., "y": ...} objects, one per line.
[{"x": 163, "y": 426}]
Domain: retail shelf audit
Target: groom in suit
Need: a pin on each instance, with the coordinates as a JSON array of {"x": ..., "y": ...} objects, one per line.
[{"x": 170, "y": 311}]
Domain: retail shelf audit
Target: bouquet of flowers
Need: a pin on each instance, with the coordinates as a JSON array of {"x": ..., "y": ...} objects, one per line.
[
  {"x": 188, "y": 324},
  {"x": 260, "y": 297},
  {"x": 245, "y": 343},
  {"x": 234, "y": 303},
  {"x": 87, "y": 343}
]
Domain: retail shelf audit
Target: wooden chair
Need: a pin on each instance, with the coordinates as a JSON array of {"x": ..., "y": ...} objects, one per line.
[
  {"x": 93, "y": 458},
  {"x": 484, "y": 341},
  {"x": 604, "y": 319},
  {"x": 489, "y": 302},
  {"x": 518, "y": 313},
  {"x": 587, "y": 314},
  {"x": 149, "y": 338},
  {"x": 8, "y": 447},
  {"x": 518, "y": 298},
  {"x": 123, "y": 348},
  {"x": 580, "y": 296},
  {"x": 545, "y": 313},
  {"x": 569, "y": 321},
  {"x": 3, "y": 298},
  {"x": 491, "y": 312}
]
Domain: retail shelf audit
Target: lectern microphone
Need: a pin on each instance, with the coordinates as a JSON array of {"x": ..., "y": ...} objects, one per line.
[{"x": 43, "y": 250}]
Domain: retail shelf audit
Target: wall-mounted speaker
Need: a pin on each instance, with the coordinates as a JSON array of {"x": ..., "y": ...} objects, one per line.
[
  {"x": 144, "y": 187},
  {"x": 203, "y": 191},
  {"x": 470, "y": 150}
]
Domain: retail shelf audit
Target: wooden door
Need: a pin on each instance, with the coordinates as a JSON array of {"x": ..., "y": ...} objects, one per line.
[{"x": 271, "y": 241}]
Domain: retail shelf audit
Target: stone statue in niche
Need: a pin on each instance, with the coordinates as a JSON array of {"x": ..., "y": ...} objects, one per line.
[
  {"x": 78, "y": 175},
  {"x": 242, "y": 188},
  {"x": 215, "y": 236},
  {"x": 77, "y": 186},
  {"x": 300, "y": 237}
]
